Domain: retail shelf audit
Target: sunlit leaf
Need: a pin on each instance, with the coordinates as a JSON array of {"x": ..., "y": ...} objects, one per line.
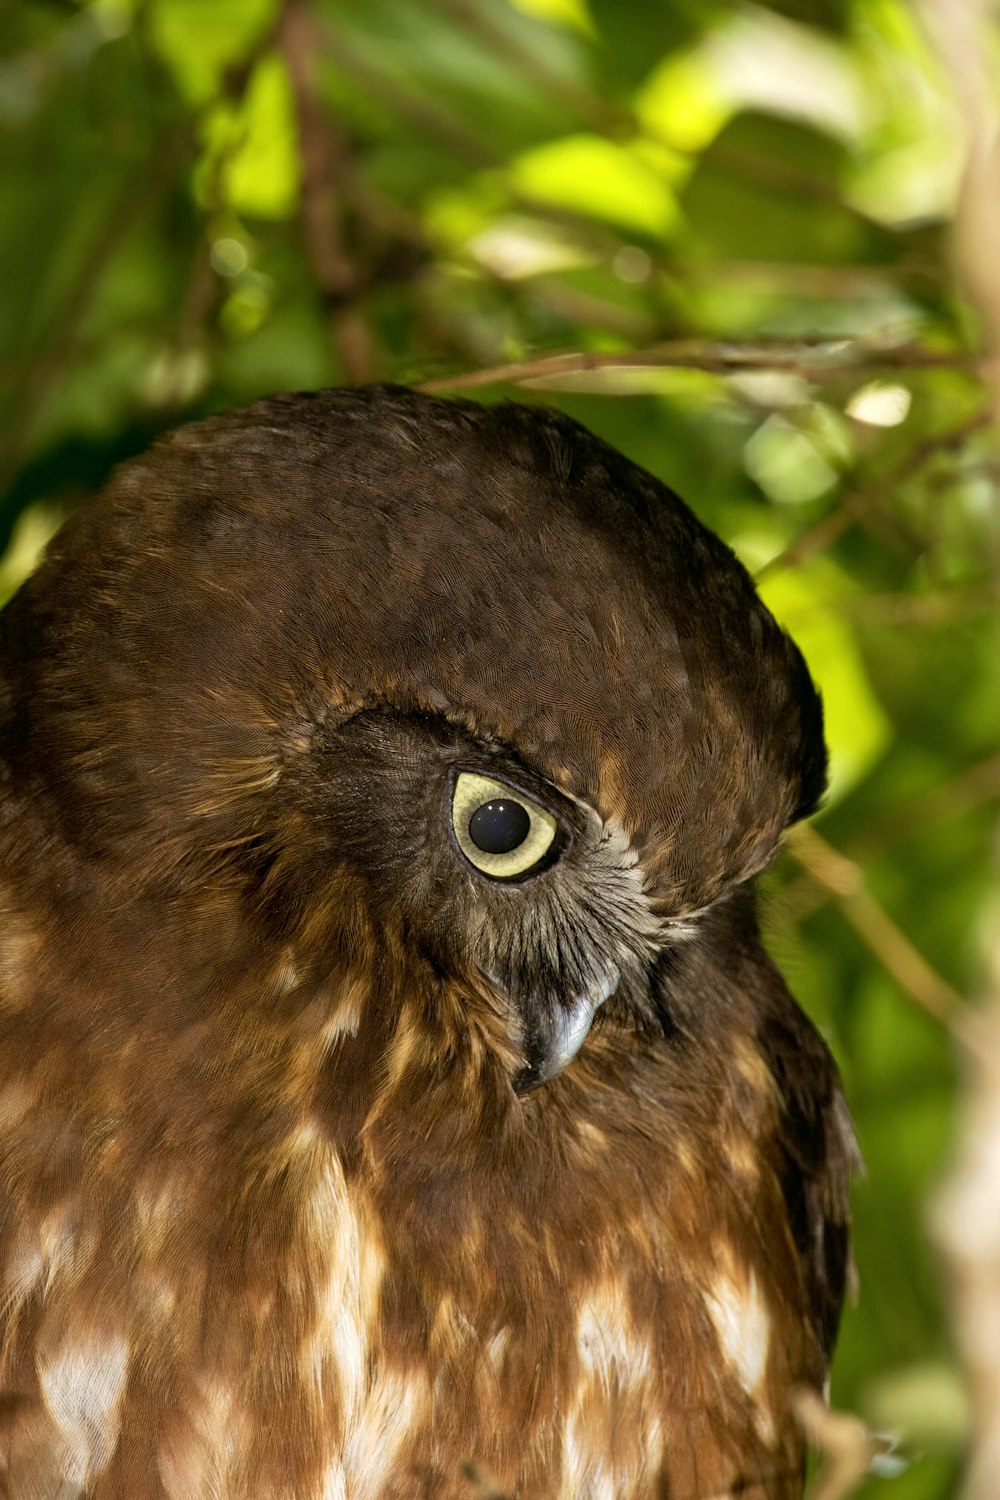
[
  {"x": 199, "y": 41},
  {"x": 805, "y": 600},
  {"x": 600, "y": 178},
  {"x": 252, "y": 163}
]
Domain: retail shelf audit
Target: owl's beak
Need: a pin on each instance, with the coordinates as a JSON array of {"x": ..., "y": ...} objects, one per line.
[{"x": 554, "y": 1035}]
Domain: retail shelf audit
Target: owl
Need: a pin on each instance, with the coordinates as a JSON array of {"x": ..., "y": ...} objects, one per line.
[{"x": 392, "y": 1080}]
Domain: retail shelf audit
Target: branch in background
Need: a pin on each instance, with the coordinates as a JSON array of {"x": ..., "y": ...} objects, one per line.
[
  {"x": 951, "y": 799},
  {"x": 970, "y": 788},
  {"x": 967, "y": 1217},
  {"x": 846, "y": 1442},
  {"x": 451, "y": 132},
  {"x": 431, "y": 119},
  {"x": 942, "y": 607},
  {"x": 149, "y": 181},
  {"x": 966, "y": 1220},
  {"x": 590, "y": 108},
  {"x": 802, "y": 278},
  {"x": 324, "y": 158},
  {"x": 960, "y": 33},
  {"x": 859, "y": 503},
  {"x": 817, "y": 361},
  {"x": 200, "y": 301},
  {"x": 911, "y": 971},
  {"x": 617, "y": 121}
]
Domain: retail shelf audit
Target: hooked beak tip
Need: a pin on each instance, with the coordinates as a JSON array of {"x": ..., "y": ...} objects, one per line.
[{"x": 558, "y": 1038}]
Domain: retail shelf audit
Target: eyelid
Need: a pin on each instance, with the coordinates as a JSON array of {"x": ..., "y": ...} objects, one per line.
[{"x": 470, "y": 790}]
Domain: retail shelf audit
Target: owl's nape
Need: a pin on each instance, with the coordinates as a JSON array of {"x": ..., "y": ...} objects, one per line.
[{"x": 391, "y": 1075}]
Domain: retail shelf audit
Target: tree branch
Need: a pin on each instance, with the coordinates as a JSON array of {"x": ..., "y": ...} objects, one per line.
[
  {"x": 816, "y": 361},
  {"x": 967, "y": 1217},
  {"x": 846, "y": 1442},
  {"x": 323, "y": 157},
  {"x": 860, "y": 502},
  {"x": 911, "y": 971}
]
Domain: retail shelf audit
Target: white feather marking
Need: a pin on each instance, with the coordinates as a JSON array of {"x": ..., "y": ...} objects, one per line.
[
  {"x": 82, "y": 1387},
  {"x": 397, "y": 1406},
  {"x": 334, "y": 1482},
  {"x": 743, "y": 1326},
  {"x": 610, "y": 1347},
  {"x": 346, "y": 1017},
  {"x": 336, "y": 1356},
  {"x": 497, "y": 1346},
  {"x": 585, "y": 1476},
  {"x": 25, "y": 1268},
  {"x": 287, "y": 976},
  {"x": 612, "y": 1396}
]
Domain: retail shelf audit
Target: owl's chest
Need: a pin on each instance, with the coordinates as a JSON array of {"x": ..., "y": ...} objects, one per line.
[
  {"x": 571, "y": 1320},
  {"x": 563, "y": 1322}
]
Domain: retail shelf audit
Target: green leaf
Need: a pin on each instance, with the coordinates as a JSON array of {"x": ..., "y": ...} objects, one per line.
[
  {"x": 805, "y": 600},
  {"x": 600, "y": 178}
]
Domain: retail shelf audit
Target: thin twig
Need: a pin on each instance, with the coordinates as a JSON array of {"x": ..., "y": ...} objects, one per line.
[
  {"x": 861, "y": 501},
  {"x": 898, "y": 608},
  {"x": 323, "y": 157},
  {"x": 966, "y": 1219},
  {"x": 844, "y": 1439},
  {"x": 963, "y": 34},
  {"x": 971, "y": 787},
  {"x": 950, "y": 799},
  {"x": 818, "y": 361},
  {"x": 142, "y": 189},
  {"x": 804, "y": 278},
  {"x": 911, "y": 971},
  {"x": 914, "y": 609},
  {"x": 430, "y": 119},
  {"x": 967, "y": 1229},
  {"x": 597, "y": 112}
]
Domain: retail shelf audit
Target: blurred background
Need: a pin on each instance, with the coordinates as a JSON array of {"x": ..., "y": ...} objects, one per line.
[{"x": 746, "y": 244}]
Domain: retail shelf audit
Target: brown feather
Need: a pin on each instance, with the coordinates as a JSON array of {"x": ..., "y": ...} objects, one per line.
[{"x": 279, "y": 1218}]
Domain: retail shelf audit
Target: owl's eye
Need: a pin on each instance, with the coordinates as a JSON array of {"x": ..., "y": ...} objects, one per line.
[{"x": 499, "y": 830}]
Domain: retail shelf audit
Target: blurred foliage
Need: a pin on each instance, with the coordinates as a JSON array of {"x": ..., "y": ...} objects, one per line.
[{"x": 732, "y": 221}]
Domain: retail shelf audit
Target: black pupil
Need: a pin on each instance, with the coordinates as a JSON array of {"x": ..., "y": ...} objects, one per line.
[{"x": 498, "y": 827}]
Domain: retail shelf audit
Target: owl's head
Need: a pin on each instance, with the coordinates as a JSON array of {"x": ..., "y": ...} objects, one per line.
[{"x": 463, "y": 676}]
